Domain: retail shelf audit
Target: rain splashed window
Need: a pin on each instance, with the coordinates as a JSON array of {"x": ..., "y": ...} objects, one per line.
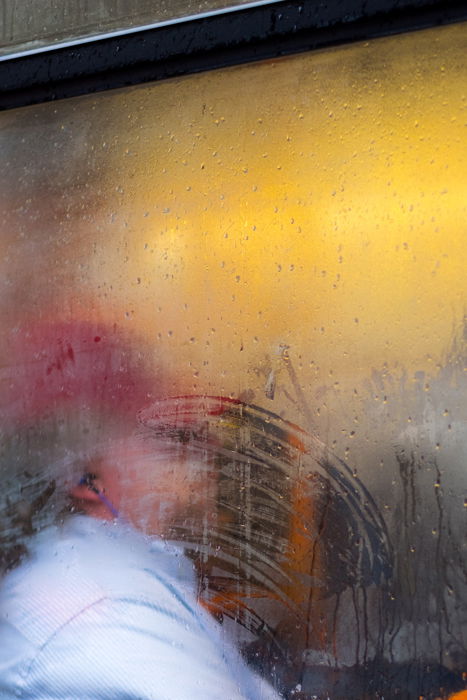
[{"x": 233, "y": 317}]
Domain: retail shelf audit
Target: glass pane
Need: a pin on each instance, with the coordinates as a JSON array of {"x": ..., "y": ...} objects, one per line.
[
  {"x": 233, "y": 317},
  {"x": 31, "y": 24}
]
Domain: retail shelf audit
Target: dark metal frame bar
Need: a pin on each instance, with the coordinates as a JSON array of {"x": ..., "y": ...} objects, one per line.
[{"x": 208, "y": 42}]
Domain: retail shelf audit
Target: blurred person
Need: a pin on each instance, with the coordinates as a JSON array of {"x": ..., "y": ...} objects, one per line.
[{"x": 94, "y": 603}]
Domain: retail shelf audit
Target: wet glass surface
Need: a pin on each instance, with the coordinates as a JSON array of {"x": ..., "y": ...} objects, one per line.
[
  {"x": 243, "y": 294},
  {"x": 26, "y": 25}
]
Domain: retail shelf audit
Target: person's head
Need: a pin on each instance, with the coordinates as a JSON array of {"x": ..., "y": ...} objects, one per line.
[
  {"x": 150, "y": 481},
  {"x": 68, "y": 390},
  {"x": 86, "y": 430}
]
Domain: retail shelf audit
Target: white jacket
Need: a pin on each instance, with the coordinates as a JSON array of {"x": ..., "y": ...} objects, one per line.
[{"x": 99, "y": 612}]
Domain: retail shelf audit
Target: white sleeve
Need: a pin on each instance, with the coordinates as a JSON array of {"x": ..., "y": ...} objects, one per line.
[{"x": 135, "y": 650}]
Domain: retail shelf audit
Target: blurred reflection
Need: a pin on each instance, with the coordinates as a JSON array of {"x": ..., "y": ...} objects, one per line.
[
  {"x": 88, "y": 606},
  {"x": 271, "y": 522}
]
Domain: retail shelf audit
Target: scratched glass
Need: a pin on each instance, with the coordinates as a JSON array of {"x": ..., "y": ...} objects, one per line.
[{"x": 234, "y": 317}]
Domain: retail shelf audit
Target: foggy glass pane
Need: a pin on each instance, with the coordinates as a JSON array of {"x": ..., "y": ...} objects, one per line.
[
  {"x": 31, "y": 24},
  {"x": 233, "y": 316}
]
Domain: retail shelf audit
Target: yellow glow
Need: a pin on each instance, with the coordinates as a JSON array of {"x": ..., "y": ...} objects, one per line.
[{"x": 316, "y": 201}]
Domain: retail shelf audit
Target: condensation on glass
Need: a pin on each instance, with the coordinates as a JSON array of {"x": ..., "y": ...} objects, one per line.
[
  {"x": 282, "y": 245},
  {"x": 27, "y": 25}
]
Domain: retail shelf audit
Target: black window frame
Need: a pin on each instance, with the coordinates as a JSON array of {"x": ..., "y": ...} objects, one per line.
[{"x": 216, "y": 40}]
